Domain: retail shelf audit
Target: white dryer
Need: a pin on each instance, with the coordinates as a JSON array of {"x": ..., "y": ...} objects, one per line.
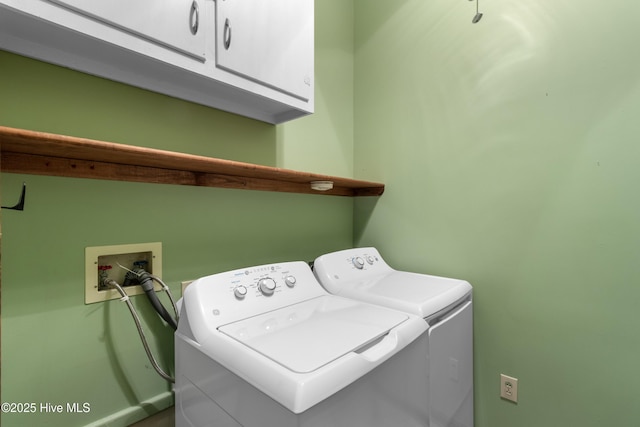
[
  {"x": 446, "y": 305},
  {"x": 267, "y": 346}
]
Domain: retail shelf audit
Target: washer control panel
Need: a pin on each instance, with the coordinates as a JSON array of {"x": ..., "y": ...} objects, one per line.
[
  {"x": 250, "y": 291},
  {"x": 263, "y": 280}
]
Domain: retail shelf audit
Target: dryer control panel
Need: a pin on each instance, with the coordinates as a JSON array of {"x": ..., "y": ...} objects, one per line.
[
  {"x": 348, "y": 266},
  {"x": 226, "y": 297}
]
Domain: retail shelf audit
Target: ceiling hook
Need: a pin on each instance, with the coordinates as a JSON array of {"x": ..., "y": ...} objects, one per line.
[{"x": 20, "y": 205}]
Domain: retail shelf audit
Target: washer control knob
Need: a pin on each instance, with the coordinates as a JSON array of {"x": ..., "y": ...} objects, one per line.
[
  {"x": 240, "y": 292},
  {"x": 358, "y": 262},
  {"x": 370, "y": 259},
  {"x": 267, "y": 285},
  {"x": 290, "y": 281}
]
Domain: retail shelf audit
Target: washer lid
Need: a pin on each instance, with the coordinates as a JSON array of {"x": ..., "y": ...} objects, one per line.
[{"x": 306, "y": 336}]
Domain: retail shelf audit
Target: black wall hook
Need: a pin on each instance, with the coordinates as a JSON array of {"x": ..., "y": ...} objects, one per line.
[{"x": 20, "y": 205}]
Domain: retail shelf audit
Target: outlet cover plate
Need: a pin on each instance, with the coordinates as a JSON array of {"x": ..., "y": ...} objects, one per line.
[
  {"x": 185, "y": 283},
  {"x": 509, "y": 388}
]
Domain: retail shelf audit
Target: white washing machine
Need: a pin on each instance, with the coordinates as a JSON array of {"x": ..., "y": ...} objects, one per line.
[
  {"x": 445, "y": 304},
  {"x": 267, "y": 346}
]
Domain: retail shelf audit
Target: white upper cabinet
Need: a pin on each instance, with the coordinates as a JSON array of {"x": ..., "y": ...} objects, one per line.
[
  {"x": 250, "y": 57},
  {"x": 174, "y": 24},
  {"x": 268, "y": 41}
]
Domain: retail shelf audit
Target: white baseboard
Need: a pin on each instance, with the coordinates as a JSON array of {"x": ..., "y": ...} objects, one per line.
[{"x": 136, "y": 413}]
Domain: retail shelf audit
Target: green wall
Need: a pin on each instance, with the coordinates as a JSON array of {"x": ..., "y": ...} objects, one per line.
[
  {"x": 55, "y": 348},
  {"x": 510, "y": 150}
]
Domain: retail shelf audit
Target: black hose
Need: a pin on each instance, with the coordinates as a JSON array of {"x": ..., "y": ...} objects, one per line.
[
  {"x": 146, "y": 282},
  {"x": 155, "y": 302}
]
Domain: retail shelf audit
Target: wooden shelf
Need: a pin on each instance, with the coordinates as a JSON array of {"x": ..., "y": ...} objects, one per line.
[{"x": 39, "y": 153}]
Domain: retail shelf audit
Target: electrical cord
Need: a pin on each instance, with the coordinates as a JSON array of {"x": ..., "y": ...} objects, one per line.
[{"x": 136, "y": 319}]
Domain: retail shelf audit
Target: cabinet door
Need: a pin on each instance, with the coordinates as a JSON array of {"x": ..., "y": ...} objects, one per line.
[
  {"x": 175, "y": 24},
  {"x": 270, "y": 42}
]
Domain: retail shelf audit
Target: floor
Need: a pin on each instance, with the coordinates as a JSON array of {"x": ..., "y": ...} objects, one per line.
[{"x": 165, "y": 418}]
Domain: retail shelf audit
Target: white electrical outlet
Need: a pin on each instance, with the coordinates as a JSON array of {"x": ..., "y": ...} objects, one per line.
[
  {"x": 102, "y": 262},
  {"x": 509, "y": 388}
]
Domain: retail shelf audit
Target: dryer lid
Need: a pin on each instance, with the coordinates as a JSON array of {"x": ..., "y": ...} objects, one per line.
[
  {"x": 419, "y": 294},
  {"x": 306, "y": 336}
]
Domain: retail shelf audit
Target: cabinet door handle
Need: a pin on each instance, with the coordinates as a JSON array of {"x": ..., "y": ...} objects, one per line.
[
  {"x": 194, "y": 18},
  {"x": 226, "y": 39}
]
